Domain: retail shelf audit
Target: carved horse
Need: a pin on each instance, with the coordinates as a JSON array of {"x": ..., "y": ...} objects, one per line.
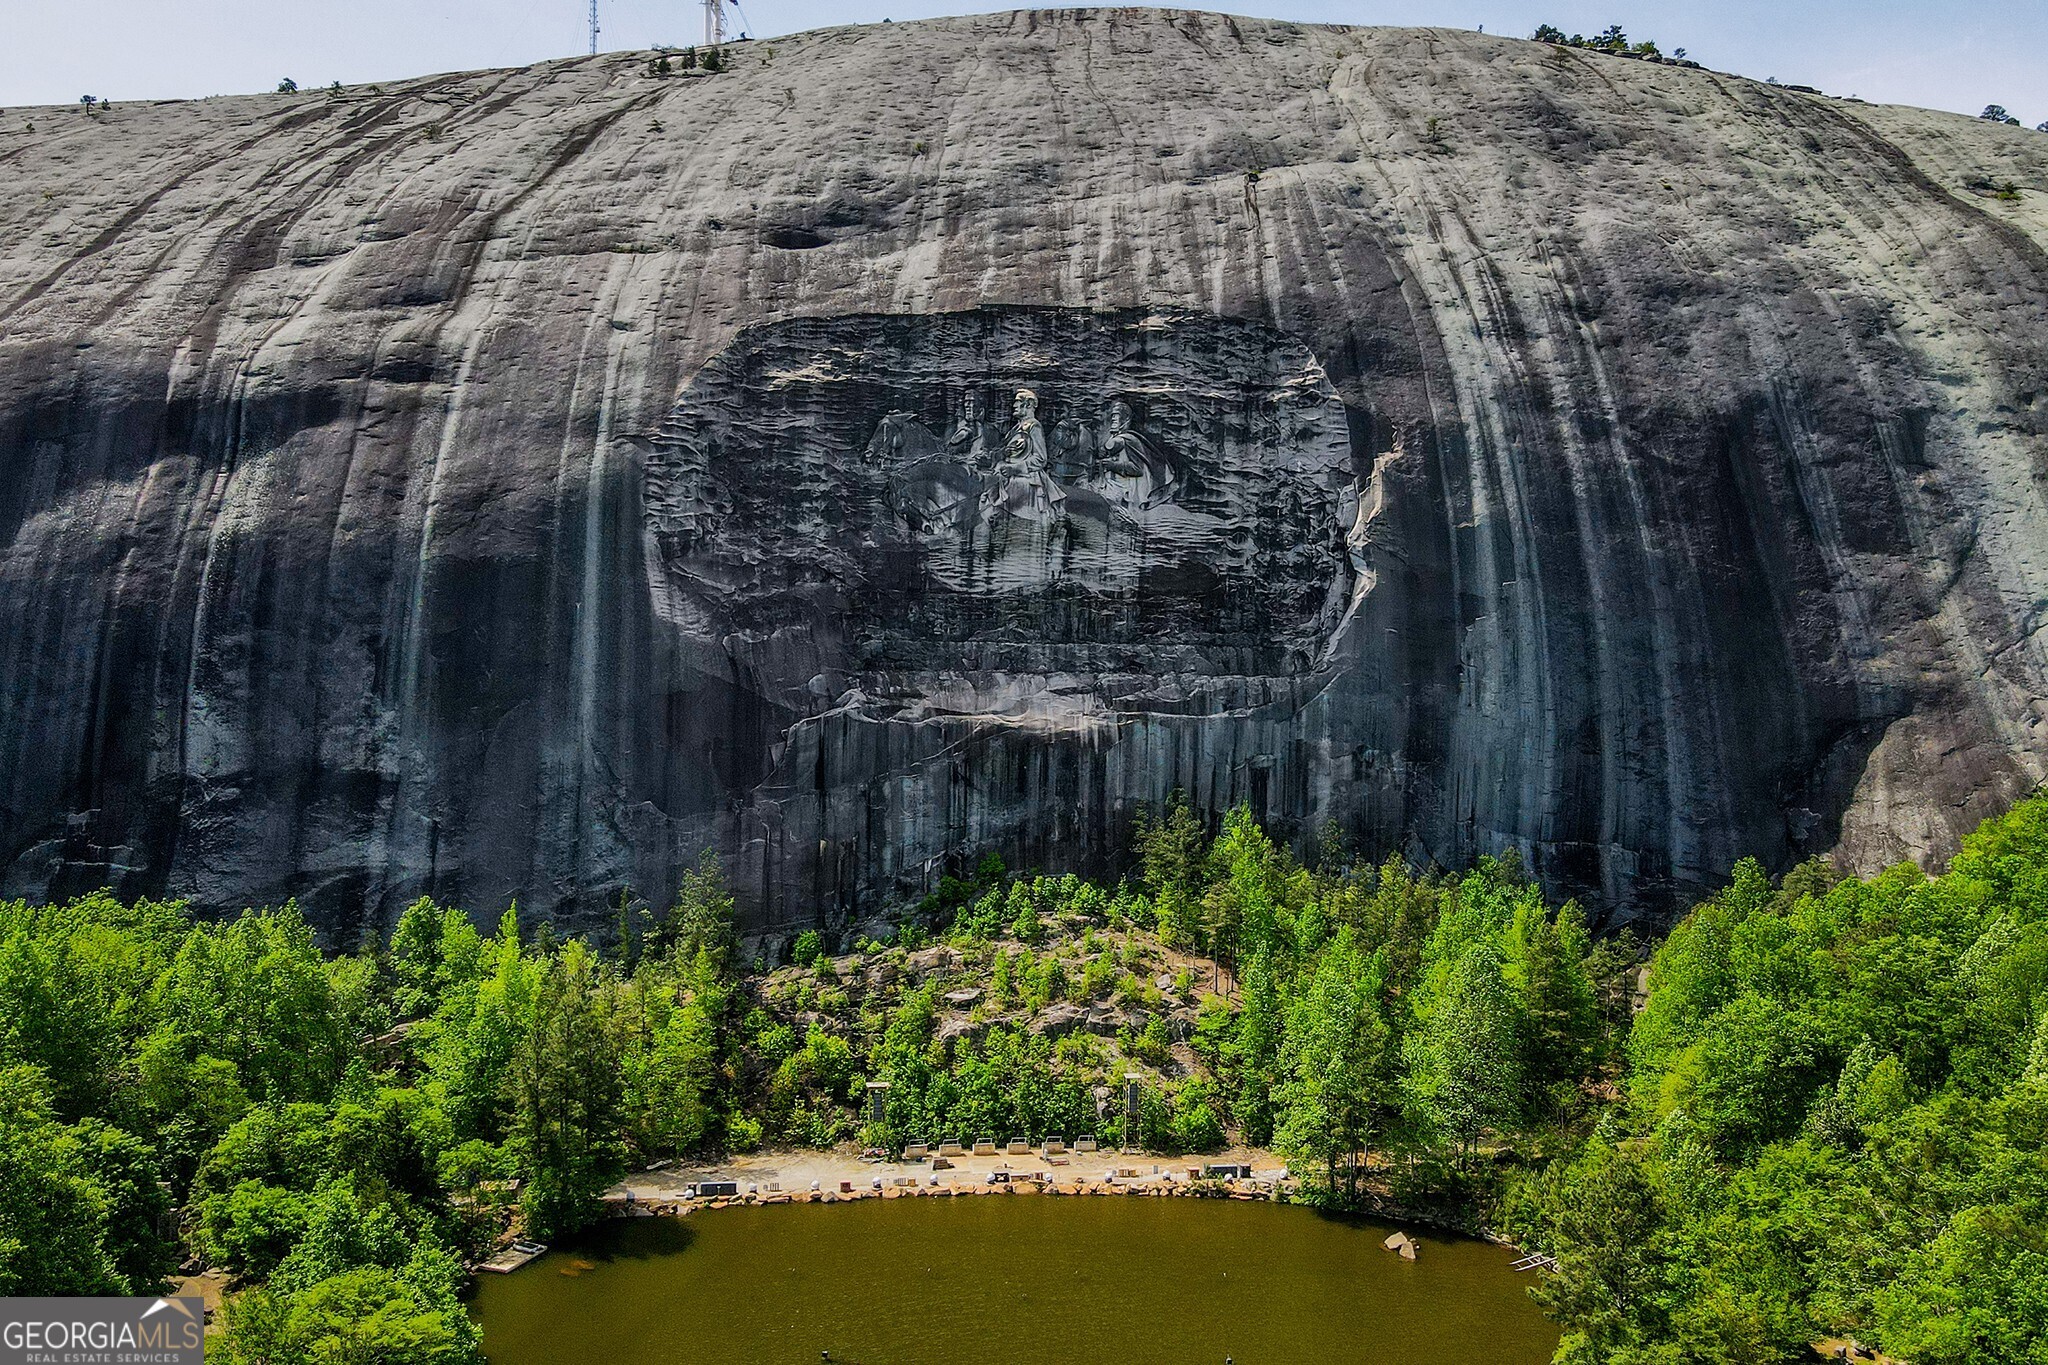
[
  {"x": 927, "y": 491},
  {"x": 901, "y": 439}
]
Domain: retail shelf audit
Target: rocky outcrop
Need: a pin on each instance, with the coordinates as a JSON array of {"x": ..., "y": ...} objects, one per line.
[{"x": 513, "y": 484}]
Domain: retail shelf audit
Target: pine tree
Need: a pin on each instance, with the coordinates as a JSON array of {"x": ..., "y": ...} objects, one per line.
[
  {"x": 1546, "y": 964},
  {"x": 1172, "y": 857}
]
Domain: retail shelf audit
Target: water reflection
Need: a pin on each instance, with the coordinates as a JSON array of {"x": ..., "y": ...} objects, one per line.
[{"x": 1011, "y": 1281}]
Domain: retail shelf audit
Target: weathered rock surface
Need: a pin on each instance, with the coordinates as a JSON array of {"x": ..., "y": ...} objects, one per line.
[{"x": 511, "y": 484}]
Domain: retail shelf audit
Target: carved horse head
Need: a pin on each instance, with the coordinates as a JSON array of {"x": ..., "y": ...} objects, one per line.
[{"x": 901, "y": 439}]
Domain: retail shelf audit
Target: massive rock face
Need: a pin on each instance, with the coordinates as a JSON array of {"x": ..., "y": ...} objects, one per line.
[
  {"x": 987, "y": 578},
  {"x": 952, "y": 436}
]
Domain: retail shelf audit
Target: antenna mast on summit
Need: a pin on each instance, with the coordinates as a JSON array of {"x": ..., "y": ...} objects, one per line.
[
  {"x": 714, "y": 23},
  {"x": 593, "y": 28}
]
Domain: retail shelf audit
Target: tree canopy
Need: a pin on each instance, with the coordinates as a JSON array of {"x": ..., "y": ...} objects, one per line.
[
  {"x": 1825, "y": 1114},
  {"x": 1835, "y": 1126}
]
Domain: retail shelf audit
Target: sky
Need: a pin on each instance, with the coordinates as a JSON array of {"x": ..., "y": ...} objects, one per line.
[{"x": 1942, "y": 54}]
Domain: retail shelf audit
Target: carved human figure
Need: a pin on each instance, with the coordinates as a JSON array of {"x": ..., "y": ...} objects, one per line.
[
  {"x": 1073, "y": 451},
  {"x": 974, "y": 438},
  {"x": 1025, "y": 462},
  {"x": 1137, "y": 473}
]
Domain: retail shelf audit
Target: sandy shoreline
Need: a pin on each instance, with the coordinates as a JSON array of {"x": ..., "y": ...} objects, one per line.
[{"x": 803, "y": 1176}]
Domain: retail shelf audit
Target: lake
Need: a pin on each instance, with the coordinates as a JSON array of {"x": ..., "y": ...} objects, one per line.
[{"x": 1010, "y": 1281}]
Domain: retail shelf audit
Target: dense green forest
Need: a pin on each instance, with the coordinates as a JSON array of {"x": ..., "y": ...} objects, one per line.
[
  {"x": 1835, "y": 1124},
  {"x": 1827, "y": 1117}
]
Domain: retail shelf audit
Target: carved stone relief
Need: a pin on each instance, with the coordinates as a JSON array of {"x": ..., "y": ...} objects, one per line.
[{"x": 1014, "y": 490}]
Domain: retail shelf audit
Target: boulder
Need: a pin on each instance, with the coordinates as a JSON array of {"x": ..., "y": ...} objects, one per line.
[{"x": 1058, "y": 1020}]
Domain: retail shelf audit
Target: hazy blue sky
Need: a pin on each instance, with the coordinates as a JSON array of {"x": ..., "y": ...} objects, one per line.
[{"x": 1941, "y": 53}]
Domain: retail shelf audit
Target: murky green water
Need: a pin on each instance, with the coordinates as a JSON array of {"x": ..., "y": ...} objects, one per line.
[{"x": 1011, "y": 1281}]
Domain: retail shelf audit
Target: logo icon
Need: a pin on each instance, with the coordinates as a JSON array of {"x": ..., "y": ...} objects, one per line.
[{"x": 47, "y": 1331}]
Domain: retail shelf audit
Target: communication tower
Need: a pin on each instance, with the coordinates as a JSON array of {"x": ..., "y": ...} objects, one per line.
[
  {"x": 714, "y": 23},
  {"x": 593, "y": 28}
]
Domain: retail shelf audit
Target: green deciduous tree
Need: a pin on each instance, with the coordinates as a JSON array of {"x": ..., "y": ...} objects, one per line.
[
  {"x": 366, "y": 1315},
  {"x": 257, "y": 993},
  {"x": 1837, "y": 1126},
  {"x": 1249, "y": 1056},
  {"x": 1464, "y": 1061},
  {"x": 672, "y": 1080},
  {"x": 416, "y": 959},
  {"x": 566, "y": 1095},
  {"x": 123, "y": 1170},
  {"x": 1336, "y": 1064},
  {"x": 54, "y": 1215}
]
